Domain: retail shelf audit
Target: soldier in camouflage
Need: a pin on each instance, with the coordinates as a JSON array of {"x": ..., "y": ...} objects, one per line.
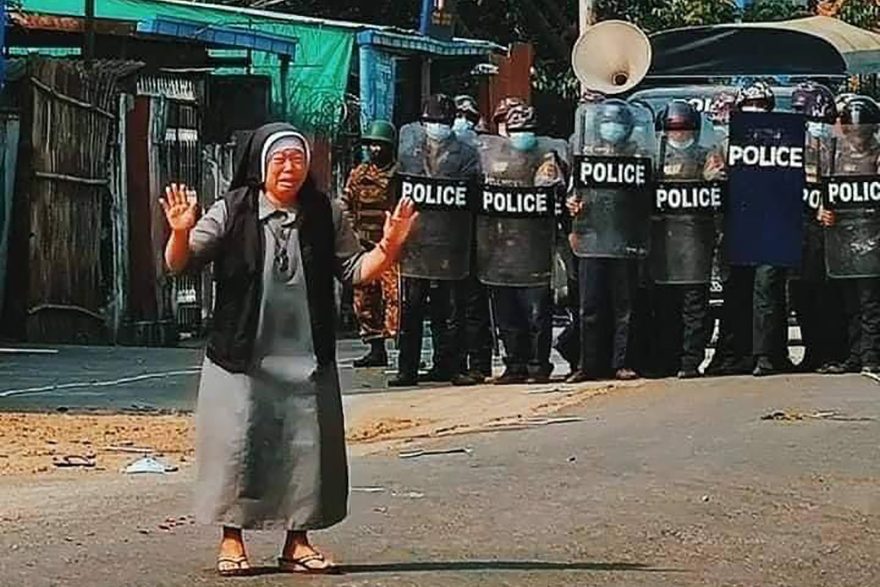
[{"x": 368, "y": 195}]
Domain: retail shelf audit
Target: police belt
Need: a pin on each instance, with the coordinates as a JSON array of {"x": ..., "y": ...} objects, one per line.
[
  {"x": 624, "y": 173},
  {"x": 852, "y": 193},
  {"x": 516, "y": 202},
  {"x": 688, "y": 197},
  {"x": 431, "y": 193}
]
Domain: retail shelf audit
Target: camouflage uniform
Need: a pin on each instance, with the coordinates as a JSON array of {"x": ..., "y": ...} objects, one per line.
[{"x": 367, "y": 196}]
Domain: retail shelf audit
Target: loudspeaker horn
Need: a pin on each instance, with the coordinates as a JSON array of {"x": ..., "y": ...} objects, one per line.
[{"x": 611, "y": 57}]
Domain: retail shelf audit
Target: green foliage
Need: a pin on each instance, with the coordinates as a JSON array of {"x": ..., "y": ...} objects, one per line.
[
  {"x": 657, "y": 15},
  {"x": 862, "y": 13},
  {"x": 773, "y": 10}
]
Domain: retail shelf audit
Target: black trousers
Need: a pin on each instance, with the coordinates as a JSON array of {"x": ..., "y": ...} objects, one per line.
[
  {"x": 681, "y": 326},
  {"x": 819, "y": 307},
  {"x": 438, "y": 299},
  {"x": 607, "y": 292},
  {"x": 735, "y": 326},
  {"x": 568, "y": 343},
  {"x": 525, "y": 322},
  {"x": 862, "y": 307},
  {"x": 770, "y": 318},
  {"x": 754, "y": 318},
  {"x": 477, "y": 328}
]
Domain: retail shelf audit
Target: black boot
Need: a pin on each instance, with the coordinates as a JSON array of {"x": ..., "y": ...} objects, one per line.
[
  {"x": 376, "y": 357},
  {"x": 404, "y": 380}
]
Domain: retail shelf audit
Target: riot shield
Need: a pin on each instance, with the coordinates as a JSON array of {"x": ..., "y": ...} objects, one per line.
[
  {"x": 515, "y": 227},
  {"x": 764, "y": 212},
  {"x": 686, "y": 202},
  {"x": 612, "y": 176},
  {"x": 439, "y": 246},
  {"x": 817, "y": 161},
  {"x": 852, "y": 244}
]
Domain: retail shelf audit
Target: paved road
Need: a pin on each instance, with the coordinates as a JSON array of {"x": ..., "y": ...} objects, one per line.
[
  {"x": 674, "y": 483},
  {"x": 122, "y": 377}
]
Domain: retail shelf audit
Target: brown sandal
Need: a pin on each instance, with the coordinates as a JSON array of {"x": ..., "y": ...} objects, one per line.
[
  {"x": 305, "y": 565},
  {"x": 229, "y": 566}
]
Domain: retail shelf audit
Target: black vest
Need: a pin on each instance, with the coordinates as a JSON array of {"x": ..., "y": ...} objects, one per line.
[{"x": 238, "y": 271}]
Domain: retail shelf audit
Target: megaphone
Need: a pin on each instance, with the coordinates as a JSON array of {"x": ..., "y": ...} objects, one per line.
[{"x": 611, "y": 57}]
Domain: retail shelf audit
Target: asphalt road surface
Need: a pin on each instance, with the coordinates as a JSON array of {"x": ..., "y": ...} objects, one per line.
[
  {"x": 673, "y": 483},
  {"x": 162, "y": 378}
]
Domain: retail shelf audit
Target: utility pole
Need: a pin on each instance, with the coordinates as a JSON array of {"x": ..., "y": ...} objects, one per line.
[
  {"x": 587, "y": 14},
  {"x": 89, "y": 48},
  {"x": 588, "y": 18}
]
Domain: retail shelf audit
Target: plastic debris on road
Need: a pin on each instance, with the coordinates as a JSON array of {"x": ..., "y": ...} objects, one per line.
[
  {"x": 412, "y": 454},
  {"x": 149, "y": 465}
]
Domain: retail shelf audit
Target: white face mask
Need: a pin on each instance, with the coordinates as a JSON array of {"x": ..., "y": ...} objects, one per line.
[
  {"x": 751, "y": 108},
  {"x": 438, "y": 131},
  {"x": 681, "y": 145},
  {"x": 818, "y": 130}
]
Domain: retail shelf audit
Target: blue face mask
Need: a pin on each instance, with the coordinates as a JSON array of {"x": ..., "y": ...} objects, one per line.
[
  {"x": 817, "y": 130},
  {"x": 523, "y": 141},
  {"x": 365, "y": 154},
  {"x": 613, "y": 132},
  {"x": 462, "y": 125},
  {"x": 438, "y": 131}
]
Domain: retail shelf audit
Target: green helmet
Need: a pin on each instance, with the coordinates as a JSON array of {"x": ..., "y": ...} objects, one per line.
[{"x": 381, "y": 131}]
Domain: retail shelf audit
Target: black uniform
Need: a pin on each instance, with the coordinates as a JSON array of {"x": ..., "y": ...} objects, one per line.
[
  {"x": 444, "y": 299},
  {"x": 681, "y": 312},
  {"x": 817, "y": 300},
  {"x": 861, "y": 295}
]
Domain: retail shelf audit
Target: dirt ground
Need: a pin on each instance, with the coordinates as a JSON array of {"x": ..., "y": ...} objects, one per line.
[{"x": 46, "y": 444}]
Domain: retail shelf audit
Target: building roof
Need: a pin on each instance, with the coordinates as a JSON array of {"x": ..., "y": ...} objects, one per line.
[{"x": 236, "y": 16}]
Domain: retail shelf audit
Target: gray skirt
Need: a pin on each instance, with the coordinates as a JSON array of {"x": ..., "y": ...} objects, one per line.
[{"x": 270, "y": 450}]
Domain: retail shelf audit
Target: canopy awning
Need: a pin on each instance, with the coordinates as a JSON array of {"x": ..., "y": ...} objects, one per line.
[
  {"x": 221, "y": 36},
  {"x": 817, "y": 46},
  {"x": 422, "y": 44}
]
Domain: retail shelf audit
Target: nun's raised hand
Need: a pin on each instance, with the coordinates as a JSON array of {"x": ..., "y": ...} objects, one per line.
[
  {"x": 180, "y": 205},
  {"x": 399, "y": 223}
]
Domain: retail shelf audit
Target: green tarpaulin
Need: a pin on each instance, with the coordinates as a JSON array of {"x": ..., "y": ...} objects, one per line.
[{"x": 318, "y": 76}]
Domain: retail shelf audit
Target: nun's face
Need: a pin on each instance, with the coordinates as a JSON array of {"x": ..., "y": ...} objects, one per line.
[{"x": 286, "y": 172}]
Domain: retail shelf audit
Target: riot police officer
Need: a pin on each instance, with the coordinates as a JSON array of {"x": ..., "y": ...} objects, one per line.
[
  {"x": 852, "y": 255},
  {"x": 816, "y": 300},
  {"x": 499, "y": 117},
  {"x": 437, "y": 259},
  {"x": 467, "y": 118},
  {"x": 754, "y": 329},
  {"x": 609, "y": 235},
  {"x": 477, "y": 325},
  {"x": 515, "y": 239},
  {"x": 683, "y": 242}
]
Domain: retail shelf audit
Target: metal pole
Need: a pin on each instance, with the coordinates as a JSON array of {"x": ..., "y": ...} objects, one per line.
[
  {"x": 285, "y": 91},
  {"x": 89, "y": 49},
  {"x": 588, "y": 17},
  {"x": 587, "y": 14}
]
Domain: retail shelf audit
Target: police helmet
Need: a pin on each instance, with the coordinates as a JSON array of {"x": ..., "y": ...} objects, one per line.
[
  {"x": 617, "y": 111},
  {"x": 815, "y": 101},
  {"x": 678, "y": 115},
  {"x": 719, "y": 109},
  {"x": 439, "y": 108},
  {"x": 860, "y": 111},
  {"x": 467, "y": 107},
  {"x": 841, "y": 100},
  {"x": 756, "y": 93},
  {"x": 589, "y": 96},
  {"x": 521, "y": 118},
  {"x": 504, "y": 106}
]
